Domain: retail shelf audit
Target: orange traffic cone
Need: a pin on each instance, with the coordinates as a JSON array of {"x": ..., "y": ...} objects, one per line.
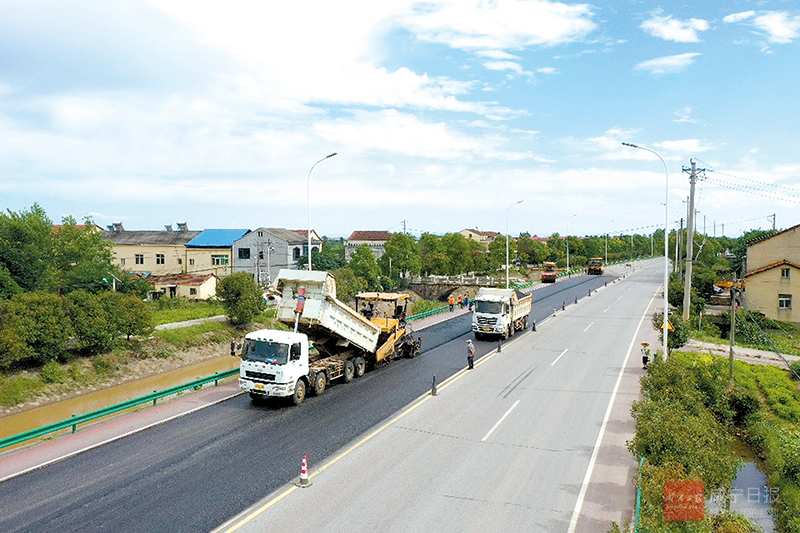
[{"x": 304, "y": 481}]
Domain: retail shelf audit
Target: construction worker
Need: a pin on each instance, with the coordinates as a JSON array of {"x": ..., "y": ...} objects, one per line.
[
  {"x": 460, "y": 301},
  {"x": 470, "y": 354},
  {"x": 452, "y": 302}
]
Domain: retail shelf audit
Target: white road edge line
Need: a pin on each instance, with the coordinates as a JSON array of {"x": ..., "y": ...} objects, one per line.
[
  {"x": 573, "y": 523},
  {"x": 117, "y": 437},
  {"x": 559, "y": 357},
  {"x": 587, "y": 327},
  {"x": 499, "y": 421}
]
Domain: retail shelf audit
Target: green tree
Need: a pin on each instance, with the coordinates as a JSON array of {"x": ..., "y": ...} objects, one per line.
[
  {"x": 458, "y": 252},
  {"x": 347, "y": 284},
  {"x": 531, "y": 251},
  {"x": 26, "y": 246},
  {"x": 241, "y": 298},
  {"x": 403, "y": 251},
  {"x": 94, "y": 329},
  {"x": 81, "y": 257},
  {"x": 497, "y": 253},
  {"x": 8, "y": 287},
  {"x": 13, "y": 349},
  {"x": 363, "y": 265},
  {"x": 480, "y": 257},
  {"x": 331, "y": 257},
  {"x": 432, "y": 255},
  {"x": 41, "y": 321}
]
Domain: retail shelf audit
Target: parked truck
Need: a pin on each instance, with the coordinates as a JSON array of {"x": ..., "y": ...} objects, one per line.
[
  {"x": 549, "y": 273},
  {"x": 328, "y": 341},
  {"x": 500, "y": 312},
  {"x": 595, "y": 266}
]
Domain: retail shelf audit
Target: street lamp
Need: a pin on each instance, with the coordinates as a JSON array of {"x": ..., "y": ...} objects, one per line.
[
  {"x": 507, "y": 210},
  {"x": 666, "y": 246},
  {"x": 308, "y": 199},
  {"x": 576, "y": 214}
]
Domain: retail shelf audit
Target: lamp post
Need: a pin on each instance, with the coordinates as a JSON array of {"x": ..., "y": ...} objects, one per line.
[
  {"x": 308, "y": 200},
  {"x": 576, "y": 214},
  {"x": 507, "y": 211},
  {"x": 666, "y": 246}
]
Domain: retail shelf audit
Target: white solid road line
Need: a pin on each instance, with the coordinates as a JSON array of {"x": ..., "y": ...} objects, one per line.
[
  {"x": 587, "y": 327},
  {"x": 559, "y": 357},
  {"x": 573, "y": 523},
  {"x": 499, "y": 421}
]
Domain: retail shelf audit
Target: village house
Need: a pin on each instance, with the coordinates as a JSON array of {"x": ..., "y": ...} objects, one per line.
[
  {"x": 211, "y": 251},
  {"x": 483, "y": 237},
  {"x": 773, "y": 275},
  {"x": 376, "y": 240},
  {"x": 264, "y": 251},
  {"x": 149, "y": 252}
]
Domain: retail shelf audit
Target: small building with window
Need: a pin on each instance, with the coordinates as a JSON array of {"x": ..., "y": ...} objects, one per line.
[
  {"x": 156, "y": 252},
  {"x": 376, "y": 240},
  {"x": 264, "y": 251},
  {"x": 211, "y": 252},
  {"x": 773, "y": 275},
  {"x": 189, "y": 286}
]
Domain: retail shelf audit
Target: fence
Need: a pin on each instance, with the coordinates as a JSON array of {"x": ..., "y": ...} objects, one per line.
[{"x": 106, "y": 411}]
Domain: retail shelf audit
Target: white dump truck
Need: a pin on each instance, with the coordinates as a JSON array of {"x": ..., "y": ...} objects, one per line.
[
  {"x": 500, "y": 312},
  {"x": 328, "y": 341}
]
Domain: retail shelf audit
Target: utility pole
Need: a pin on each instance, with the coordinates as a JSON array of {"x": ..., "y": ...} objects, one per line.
[
  {"x": 678, "y": 245},
  {"x": 773, "y": 221},
  {"x": 687, "y": 286}
]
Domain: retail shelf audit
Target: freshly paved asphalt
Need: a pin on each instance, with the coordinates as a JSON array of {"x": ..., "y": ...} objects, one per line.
[{"x": 198, "y": 470}]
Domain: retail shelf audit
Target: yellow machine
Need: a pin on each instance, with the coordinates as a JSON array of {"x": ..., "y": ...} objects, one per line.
[
  {"x": 388, "y": 311},
  {"x": 595, "y": 266}
]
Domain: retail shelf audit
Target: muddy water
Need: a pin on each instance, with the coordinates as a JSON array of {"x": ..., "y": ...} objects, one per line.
[{"x": 78, "y": 405}]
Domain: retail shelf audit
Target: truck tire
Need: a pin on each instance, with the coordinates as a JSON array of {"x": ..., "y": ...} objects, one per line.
[
  {"x": 320, "y": 380},
  {"x": 256, "y": 398},
  {"x": 360, "y": 366},
  {"x": 349, "y": 371},
  {"x": 299, "y": 392}
]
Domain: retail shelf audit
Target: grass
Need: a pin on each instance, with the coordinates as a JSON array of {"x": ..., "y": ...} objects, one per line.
[
  {"x": 183, "y": 338},
  {"x": 17, "y": 389},
  {"x": 186, "y": 310}
]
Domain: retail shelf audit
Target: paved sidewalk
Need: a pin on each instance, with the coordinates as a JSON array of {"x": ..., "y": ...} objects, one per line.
[{"x": 740, "y": 353}]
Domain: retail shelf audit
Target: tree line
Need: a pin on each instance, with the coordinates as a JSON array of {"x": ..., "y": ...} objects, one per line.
[{"x": 55, "y": 297}]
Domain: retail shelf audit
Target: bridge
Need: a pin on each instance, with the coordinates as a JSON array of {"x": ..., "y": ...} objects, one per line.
[{"x": 440, "y": 287}]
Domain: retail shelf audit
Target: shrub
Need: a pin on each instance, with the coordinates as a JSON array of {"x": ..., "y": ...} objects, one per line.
[
  {"x": 52, "y": 372},
  {"x": 795, "y": 367},
  {"x": 16, "y": 390},
  {"x": 241, "y": 298}
]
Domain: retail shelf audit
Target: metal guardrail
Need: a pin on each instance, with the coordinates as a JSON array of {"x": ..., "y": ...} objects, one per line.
[{"x": 106, "y": 411}]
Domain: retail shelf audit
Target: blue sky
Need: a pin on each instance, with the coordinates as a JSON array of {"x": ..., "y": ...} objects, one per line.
[{"x": 443, "y": 113}]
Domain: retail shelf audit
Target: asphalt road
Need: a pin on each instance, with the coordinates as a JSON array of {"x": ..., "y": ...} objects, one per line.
[{"x": 197, "y": 471}]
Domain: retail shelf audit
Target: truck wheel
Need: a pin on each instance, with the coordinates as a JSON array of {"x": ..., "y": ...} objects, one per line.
[
  {"x": 299, "y": 392},
  {"x": 320, "y": 380},
  {"x": 256, "y": 398},
  {"x": 349, "y": 371},
  {"x": 360, "y": 366}
]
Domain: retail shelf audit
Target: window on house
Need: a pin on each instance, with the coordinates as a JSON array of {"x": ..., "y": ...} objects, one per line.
[
  {"x": 121, "y": 262},
  {"x": 296, "y": 253},
  {"x": 785, "y": 273},
  {"x": 219, "y": 260},
  {"x": 191, "y": 262},
  {"x": 192, "y": 291},
  {"x": 261, "y": 255},
  {"x": 160, "y": 259},
  {"x": 260, "y": 233},
  {"x": 244, "y": 253},
  {"x": 180, "y": 261},
  {"x": 784, "y": 301},
  {"x": 139, "y": 259}
]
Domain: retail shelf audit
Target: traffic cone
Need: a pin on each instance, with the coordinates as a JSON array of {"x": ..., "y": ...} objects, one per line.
[{"x": 304, "y": 481}]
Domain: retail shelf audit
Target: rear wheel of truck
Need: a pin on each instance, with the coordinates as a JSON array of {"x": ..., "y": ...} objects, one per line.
[
  {"x": 320, "y": 380},
  {"x": 299, "y": 392},
  {"x": 349, "y": 371},
  {"x": 360, "y": 366}
]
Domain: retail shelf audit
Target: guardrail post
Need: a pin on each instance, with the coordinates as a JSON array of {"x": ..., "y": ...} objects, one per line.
[
  {"x": 216, "y": 381},
  {"x": 155, "y": 399},
  {"x": 499, "y": 345},
  {"x": 74, "y": 426}
]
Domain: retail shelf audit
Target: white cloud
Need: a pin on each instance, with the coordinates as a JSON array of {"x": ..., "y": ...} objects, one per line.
[
  {"x": 547, "y": 70},
  {"x": 684, "y": 147},
  {"x": 738, "y": 17},
  {"x": 510, "y": 24},
  {"x": 507, "y": 65},
  {"x": 667, "y": 64},
  {"x": 679, "y": 31},
  {"x": 780, "y": 27},
  {"x": 496, "y": 54},
  {"x": 684, "y": 115}
]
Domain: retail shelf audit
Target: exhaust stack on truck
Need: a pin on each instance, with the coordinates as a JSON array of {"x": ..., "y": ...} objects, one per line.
[{"x": 329, "y": 339}]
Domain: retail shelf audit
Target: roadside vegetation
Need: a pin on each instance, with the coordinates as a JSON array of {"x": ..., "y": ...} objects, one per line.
[{"x": 686, "y": 424}]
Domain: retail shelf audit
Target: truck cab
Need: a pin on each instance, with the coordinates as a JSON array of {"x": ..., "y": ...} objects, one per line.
[
  {"x": 499, "y": 312},
  {"x": 549, "y": 273},
  {"x": 595, "y": 266},
  {"x": 273, "y": 363}
]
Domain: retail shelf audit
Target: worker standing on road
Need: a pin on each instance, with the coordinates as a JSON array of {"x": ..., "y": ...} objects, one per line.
[
  {"x": 460, "y": 301},
  {"x": 451, "y": 301},
  {"x": 470, "y": 354}
]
